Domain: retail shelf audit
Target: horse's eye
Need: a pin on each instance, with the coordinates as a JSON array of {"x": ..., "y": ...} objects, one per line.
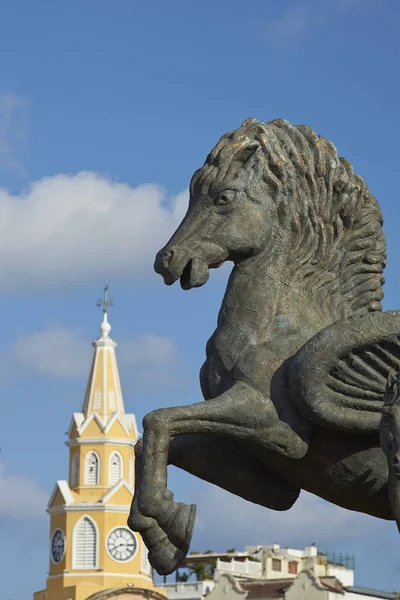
[{"x": 223, "y": 199}]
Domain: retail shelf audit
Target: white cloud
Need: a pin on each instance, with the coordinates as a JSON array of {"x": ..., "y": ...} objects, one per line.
[
  {"x": 289, "y": 28},
  {"x": 180, "y": 207},
  {"x": 68, "y": 229},
  {"x": 13, "y": 128},
  {"x": 21, "y": 497},
  {"x": 57, "y": 353},
  {"x": 294, "y": 24},
  {"x": 151, "y": 360}
]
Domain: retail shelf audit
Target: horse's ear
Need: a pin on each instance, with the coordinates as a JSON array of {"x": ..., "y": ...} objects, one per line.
[
  {"x": 241, "y": 157},
  {"x": 249, "y": 122},
  {"x": 245, "y": 153}
]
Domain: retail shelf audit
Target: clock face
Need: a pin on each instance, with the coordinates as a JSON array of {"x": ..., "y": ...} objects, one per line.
[
  {"x": 57, "y": 546},
  {"x": 121, "y": 544}
]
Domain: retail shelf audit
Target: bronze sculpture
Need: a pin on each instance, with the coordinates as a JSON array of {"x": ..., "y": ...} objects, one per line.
[{"x": 297, "y": 369}]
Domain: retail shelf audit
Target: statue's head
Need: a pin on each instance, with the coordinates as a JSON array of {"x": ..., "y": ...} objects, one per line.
[
  {"x": 227, "y": 218},
  {"x": 281, "y": 190}
]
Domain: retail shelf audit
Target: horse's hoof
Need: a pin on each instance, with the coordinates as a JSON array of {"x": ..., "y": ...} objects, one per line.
[
  {"x": 166, "y": 559},
  {"x": 179, "y": 527},
  {"x": 163, "y": 556}
]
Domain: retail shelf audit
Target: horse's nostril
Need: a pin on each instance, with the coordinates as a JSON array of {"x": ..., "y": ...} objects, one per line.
[{"x": 168, "y": 255}]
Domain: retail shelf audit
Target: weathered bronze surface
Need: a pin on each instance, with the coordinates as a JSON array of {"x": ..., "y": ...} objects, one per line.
[{"x": 297, "y": 369}]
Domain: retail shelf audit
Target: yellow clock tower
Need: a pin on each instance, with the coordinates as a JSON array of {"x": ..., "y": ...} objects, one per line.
[{"x": 91, "y": 547}]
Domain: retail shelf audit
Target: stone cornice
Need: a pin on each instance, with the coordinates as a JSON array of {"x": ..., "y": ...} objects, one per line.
[
  {"x": 88, "y": 507},
  {"x": 101, "y": 440}
]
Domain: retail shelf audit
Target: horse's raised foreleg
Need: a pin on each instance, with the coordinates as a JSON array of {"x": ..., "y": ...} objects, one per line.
[
  {"x": 390, "y": 441},
  {"x": 163, "y": 555},
  {"x": 242, "y": 413},
  {"x": 220, "y": 461}
]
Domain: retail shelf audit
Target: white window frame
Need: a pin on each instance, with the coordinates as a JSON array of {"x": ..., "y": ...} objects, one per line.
[
  {"x": 76, "y": 567},
  {"x": 75, "y": 470},
  {"x": 121, "y": 468},
  {"x": 112, "y": 400},
  {"x": 88, "y": 455},
  {"x": 97, "y": 400}
]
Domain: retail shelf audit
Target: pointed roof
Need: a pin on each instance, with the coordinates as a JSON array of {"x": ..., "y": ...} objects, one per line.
[
  {"x": 61, "y": 494},
  {"x": 103, "y": 392},
  {"x": 103, "y": 404}
]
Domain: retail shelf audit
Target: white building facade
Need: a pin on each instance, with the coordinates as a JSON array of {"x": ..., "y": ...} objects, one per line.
[{"x": 273, "y": 573}]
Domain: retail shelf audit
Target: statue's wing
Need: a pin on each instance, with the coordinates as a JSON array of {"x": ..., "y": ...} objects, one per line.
[{"x": 338, "y": 377}]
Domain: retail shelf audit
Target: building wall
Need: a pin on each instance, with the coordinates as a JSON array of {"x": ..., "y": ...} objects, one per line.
[
  {"x": 352, "y": 596},
  {"x": 346, "y": 576},
  {"x": 108, "y": 573},
  {"x": 291, "y": 562},
  {"x": 104, "y": 451},
  {"x": 279, "y": 565},
  {"x": 335, "y": 596},
  {"x": 227, "y": 588},
  {"x": 306, "y": 587},
  {"x": 188, "y": 590},
  {"x": 243, "y": 568}
]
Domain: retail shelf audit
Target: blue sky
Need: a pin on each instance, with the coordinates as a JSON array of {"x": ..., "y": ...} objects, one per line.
[{"x": 106, "y": 109}]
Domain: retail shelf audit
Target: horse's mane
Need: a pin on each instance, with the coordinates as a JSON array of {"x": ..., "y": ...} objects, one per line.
[{"x": 337, "y": 243}]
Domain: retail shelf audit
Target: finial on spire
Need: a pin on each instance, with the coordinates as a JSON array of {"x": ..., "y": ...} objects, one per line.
[{"x": 105, "y": 327}]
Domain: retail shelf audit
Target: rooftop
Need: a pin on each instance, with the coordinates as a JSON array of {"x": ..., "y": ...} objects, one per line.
[
  {"x": 376, "y": 593},
  {"x": 266, "y": 589}
]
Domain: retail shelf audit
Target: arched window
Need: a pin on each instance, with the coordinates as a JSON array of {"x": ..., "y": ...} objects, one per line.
[
  {"x": 131, "y": 472},
  {"x": 75, "y": 470},
  {"x": 111, "y": 400},
  {"x": 97, "y": 399},
  {"x": 92, "y": 470},
  {"x": 115, "y": 468},
  {"x": 84, "y": 542}
]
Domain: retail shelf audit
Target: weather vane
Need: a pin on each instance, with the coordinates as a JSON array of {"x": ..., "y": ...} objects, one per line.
[{"x": 105, "y": 302}]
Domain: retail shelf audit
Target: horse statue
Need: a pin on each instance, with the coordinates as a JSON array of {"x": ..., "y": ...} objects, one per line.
[{"x": 301, "y": 375}]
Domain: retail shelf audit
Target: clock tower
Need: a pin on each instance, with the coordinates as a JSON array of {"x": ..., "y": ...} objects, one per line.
[{"x": 91, "y": 548}]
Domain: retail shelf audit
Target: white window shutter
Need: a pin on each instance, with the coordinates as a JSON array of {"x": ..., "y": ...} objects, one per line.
[
  {"x": 92, "y": 469},
  {"x": 85, "y": 545},
  {"x": 111, "y": 400},
  {"x": 115, "y": 468},
  {"x": 97, "y": 399}
]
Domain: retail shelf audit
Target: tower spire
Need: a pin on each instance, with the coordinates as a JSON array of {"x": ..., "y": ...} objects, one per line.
[
  {"x": 103, "y": 393},
  {"x": 92, "y": 549},
  {"x": 105, "y": 326}
]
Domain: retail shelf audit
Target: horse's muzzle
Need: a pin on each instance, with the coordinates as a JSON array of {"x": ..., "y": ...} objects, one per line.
[
  {"x": 174, "y": 265},
  {"x": 162, "y": 266}
]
